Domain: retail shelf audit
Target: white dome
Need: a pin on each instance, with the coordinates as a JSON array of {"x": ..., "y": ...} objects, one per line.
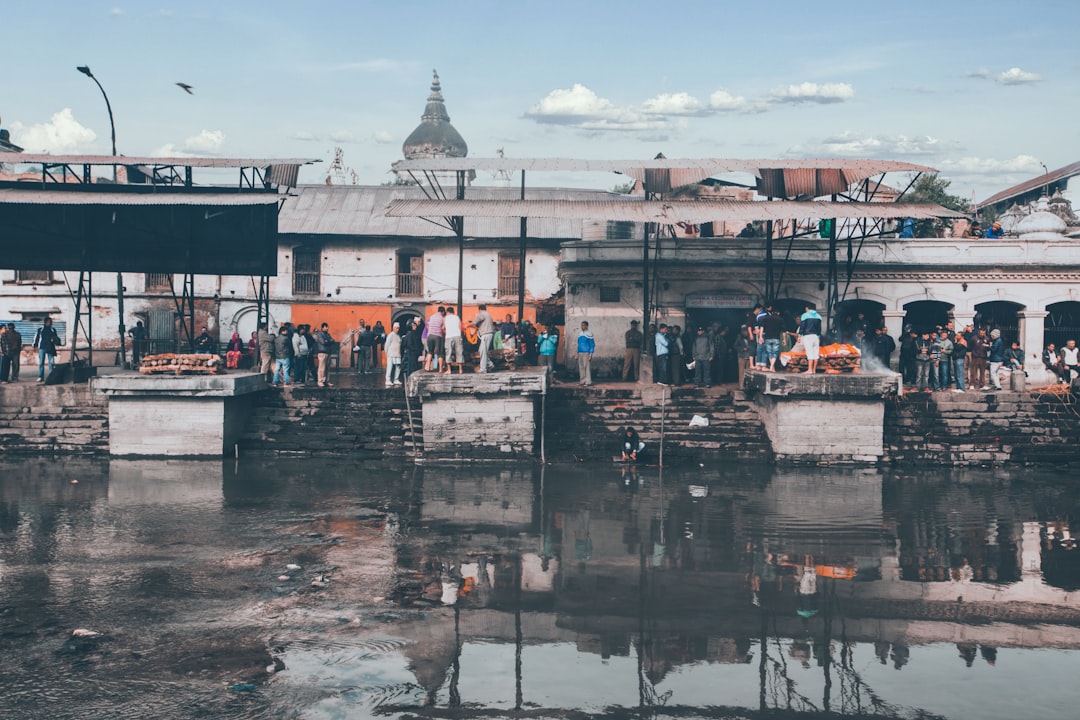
[{"x": 1041, "y": 225}]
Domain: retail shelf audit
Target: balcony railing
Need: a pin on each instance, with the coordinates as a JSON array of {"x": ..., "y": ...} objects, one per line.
[
  {"x": 410, "y": 284},
  {"x": 508, "y": 285}
]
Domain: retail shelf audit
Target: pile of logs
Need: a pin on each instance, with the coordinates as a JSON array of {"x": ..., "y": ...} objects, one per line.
[
  {"x": 181, "y": 364},
  {"x": 834, "y": 359}
]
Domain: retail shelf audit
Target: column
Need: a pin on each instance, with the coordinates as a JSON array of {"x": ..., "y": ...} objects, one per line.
[
  {"x": 961, "y": 318},
  {"x": 1032, "y": 325},
  {"x": 894, "y": 325}
]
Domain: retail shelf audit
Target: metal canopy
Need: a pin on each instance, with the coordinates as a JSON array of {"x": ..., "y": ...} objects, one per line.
[
  {"x": 110, "y": 160},
  {"x": 711, "y": 166},
  {"x": 28, "y": 196},
  {"x": 665, "y": 212}
]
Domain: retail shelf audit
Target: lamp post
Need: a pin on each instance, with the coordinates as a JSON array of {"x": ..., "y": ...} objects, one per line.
[{"x": 85, "y": 70}]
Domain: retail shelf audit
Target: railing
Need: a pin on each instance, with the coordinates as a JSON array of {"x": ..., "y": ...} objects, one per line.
[
  {"x": 410, "y": 284},
  {"x": 508, "y": 285}
]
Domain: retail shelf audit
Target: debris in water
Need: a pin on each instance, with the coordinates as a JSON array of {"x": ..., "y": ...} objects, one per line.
[
  {"x": 292, "y": 568},
  {"x": 284, "y": 577},
  {"x": 243, "y": 687},
  {"x": 84, "y": 633}
]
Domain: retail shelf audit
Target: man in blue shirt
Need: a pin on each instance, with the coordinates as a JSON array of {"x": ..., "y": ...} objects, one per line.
[
  {"x": 662, "y": 355},
  {"x": 586, "y": 345}
]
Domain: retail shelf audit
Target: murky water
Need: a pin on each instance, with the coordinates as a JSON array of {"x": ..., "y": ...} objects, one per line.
[{"x": 324, "y": 589}]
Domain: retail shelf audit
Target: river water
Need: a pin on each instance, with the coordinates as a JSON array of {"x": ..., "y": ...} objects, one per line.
[{"x": 330, "y": 589}]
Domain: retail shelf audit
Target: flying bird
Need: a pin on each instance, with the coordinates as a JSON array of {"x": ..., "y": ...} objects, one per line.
[{"x": 186, "y": 88}]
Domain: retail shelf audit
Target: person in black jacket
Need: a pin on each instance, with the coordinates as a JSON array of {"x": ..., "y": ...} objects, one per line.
[
  {"x": 413, "y": 347},
  {"x": 45, "y": 342},
  {"x": 630, "y": 444}
]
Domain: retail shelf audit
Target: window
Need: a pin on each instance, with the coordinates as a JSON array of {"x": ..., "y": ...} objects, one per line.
[
  {"x": 610, "y": 294},
  {"x": 158, "y": 282},
  {"x": 509, "y": 271},
  {"x": 306, "y": 272},
  {"x": 33, "y": 277},
  {"x": 410, "y": 274}
]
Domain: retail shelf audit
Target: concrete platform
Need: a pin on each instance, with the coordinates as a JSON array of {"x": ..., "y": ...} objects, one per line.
[
  {"x": 823, "y": 418},
  {"x": 480, "y": 415},
  {"x": 177, "y": 416}
]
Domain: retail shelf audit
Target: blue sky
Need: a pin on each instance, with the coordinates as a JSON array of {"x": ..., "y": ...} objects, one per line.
[{"x": 986, "y": 92}]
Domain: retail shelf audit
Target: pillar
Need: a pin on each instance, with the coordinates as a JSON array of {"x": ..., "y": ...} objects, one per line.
[
  {"x": 962, "y": 318},
  {"x": 894, "y": 325},
  {"x": 1032, "y": 326}
]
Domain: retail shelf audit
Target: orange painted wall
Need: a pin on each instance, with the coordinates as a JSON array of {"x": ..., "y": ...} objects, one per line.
[{"x": 345, "y": 319}]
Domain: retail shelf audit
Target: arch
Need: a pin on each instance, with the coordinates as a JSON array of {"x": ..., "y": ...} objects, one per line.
[
  {"x": 1062, "y": 323},
  {"x": 245, "y": 321},
  {"x": 404, "y": 315},
  {"x": 847, "y": 320},
  {"x": 1000, "y": 314},
  {"x": 923, "y": 315}
]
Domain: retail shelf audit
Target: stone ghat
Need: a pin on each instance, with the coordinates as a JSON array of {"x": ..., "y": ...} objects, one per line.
[{"x": 982, "y": 429}]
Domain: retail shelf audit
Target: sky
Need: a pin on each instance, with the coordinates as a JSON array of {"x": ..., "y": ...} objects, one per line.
[{"x": 987, "y": 92}]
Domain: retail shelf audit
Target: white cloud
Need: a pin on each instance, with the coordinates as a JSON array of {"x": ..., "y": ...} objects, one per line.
[
  {"x": 991, "y": 166},
  {"x": 853, "y": 144},
  {"x": 723, "y": 101},
  {"x": 305, "y": 136},
  {"x": 1016, "y": 76},
  {"x": 62, "y": 134},
  {"x": 580, "y": 107},
  {"x": 115, "y": 12},
  {"x": 1012, "y": 76},
  {"x": 207, "y": 142},
  {"x": 342, "y": 136},
  {"x": 680, "y": 103},
  {"x": 382, "y": 137},
  {"x": 809, "y": 92}
]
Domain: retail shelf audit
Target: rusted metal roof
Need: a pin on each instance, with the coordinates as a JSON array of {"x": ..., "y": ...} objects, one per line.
[
  {"x": 30, "y": 196},
  {"x": 202, "y": 162},
  {"x": 683, "y": 171},
  {"x": 360, "y": 211},
  {"x": 1031, "y": 185},
  {"x": 698, "y": 211}
]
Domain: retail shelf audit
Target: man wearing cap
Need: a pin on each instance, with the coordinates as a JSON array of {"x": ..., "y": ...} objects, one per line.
[
  {"x": 632, "y": 354},
  {"x": 995, "y": 231}
]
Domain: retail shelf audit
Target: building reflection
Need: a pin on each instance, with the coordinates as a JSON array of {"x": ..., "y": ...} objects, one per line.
[{"x": 783, "y": 569}]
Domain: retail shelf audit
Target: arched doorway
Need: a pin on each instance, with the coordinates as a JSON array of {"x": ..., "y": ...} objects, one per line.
[
  {"x": 924, "y": 315},
  {"x": 791, "y": 309},
  {"x": 847, "y": 321},
  {"x": 1000, "y": 314},
  {"x": 1062, "y": 323}
]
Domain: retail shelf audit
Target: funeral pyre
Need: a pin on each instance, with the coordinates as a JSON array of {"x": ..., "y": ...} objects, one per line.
[
  {"x": 178, "y": 364},
  {"x": 834, "y": 359}
]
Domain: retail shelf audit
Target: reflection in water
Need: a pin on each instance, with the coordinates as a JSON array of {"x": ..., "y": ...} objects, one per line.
[{"x": 553, "y": 590}]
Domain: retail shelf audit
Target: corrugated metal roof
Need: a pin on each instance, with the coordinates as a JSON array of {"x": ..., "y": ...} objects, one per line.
[
  {"x": 698, "y": 211},
  {"x": 18, "y": 196},
  {"x": 1035, "y": 183},
  {"x": 203, "y": 162},
  {"x": 685, "y": 170},
  {"x": 360, "y": 211}
]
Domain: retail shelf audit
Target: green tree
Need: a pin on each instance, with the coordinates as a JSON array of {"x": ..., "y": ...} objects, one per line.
[{"x": 932, "y": 188}]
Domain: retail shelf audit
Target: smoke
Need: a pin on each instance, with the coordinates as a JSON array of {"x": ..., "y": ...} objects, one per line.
[{"x": 870, "y": 365}]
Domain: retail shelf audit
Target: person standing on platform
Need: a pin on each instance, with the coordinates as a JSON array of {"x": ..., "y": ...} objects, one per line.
[
  {"x": 810, "y": 334},
  {"x": 266, "y": 350},
  {"x": 455, "y": 350},
  {"x": 324, "y": 345},
  {"x": 485, "y": 325},
  {"x": 393, "y": 356},
  {"x": 662, "y": 358},
  {"x": 45, "y": 342},
  {"x": 632, "y": 354},
  {"x": 283, "y": 354},
  {"x": 586, "y": 346},
  {"x": 702, "y": 352}
]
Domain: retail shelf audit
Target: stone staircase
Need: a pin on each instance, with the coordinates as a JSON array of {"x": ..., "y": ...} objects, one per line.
[
  {"x": 38, "y": 419},
  {"x": 584, "y": 423},
  {"x": 981, "y": 428},
  {"x": 367, "y": 423}
]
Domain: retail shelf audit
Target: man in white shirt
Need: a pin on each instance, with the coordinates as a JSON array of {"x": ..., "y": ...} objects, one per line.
[{"x": 455, "y": 352}]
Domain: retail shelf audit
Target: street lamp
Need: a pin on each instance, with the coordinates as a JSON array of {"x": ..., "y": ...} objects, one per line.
[{"x": 85, "y": 70}]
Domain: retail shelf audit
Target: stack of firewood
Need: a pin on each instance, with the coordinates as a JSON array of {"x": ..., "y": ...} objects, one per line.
[
  {"x": 181, "y": 364},
  {"x": 834, "y": 359}
]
